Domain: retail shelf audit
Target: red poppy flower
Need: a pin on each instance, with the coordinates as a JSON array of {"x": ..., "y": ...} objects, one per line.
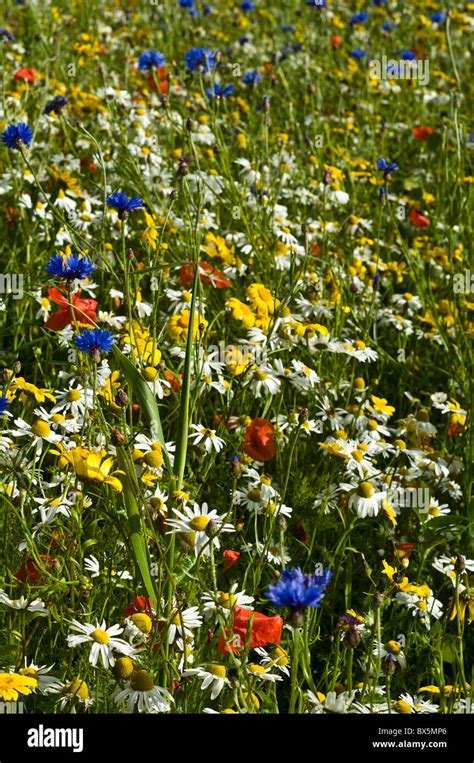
[
  {"x": 230, "y": 558},
  {"x": 260, "y": 443},
  {"x": 82, "y": 310},
  {"x": 264, "y": 630},
  {"x": 140, "y": 604},
  {"x": 422, "y": 133},
  {"x": 207, "y": 274},
  {"x": 12, "y": 215},
  {"x": 29, "y": 571},
  {"x": 417, "y": 219},
  {"x": 161, "y": 78},
  {"x": 402, "y": 551},
  {"x": 25, "y": 75},
  {"x": 301, "y": 533},
  {"x": 174, "y": 381}
]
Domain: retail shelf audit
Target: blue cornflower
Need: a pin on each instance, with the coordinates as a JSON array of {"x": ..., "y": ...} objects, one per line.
[
  {"x": 438, "y": 18},
  {"x": 120, "y": 201},
  {"x": 387, "y": 166},
  {"x": 70, "y": 268},
  {"x": 200, "y": 58},
  {"x": 151, "y": 59},
  {"x": 298, "y": 590},
  {"x": 57, "y": 104},
  {"x": 247, "y": 6},
  {"x": 251, "y": 77},
  {"x": 219, "y": 91},
  {"x": 357, "y": 53},
  {"x": 4, "y": 403},
  {"x": 16, "y": 135},
  {"x": 359, "y": 18},
  {"x": 5, "y": 35},
  {"x": 94, "y": 341}
]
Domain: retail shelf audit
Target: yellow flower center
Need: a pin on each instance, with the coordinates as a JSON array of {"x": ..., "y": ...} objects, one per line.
[
  {"x": 403, "y": 707},
  {"x": 77, "y": 688},
  {"x": 400, "y": 444},
  {"x": 141, "y": 680},
  {"x": 257, "y": 669},
  {"x": 199, "y": 523},
  {"x": 142, "y": 621},
  {"x": 30, "y": 672},
  {"x": 217, "y": 670},
  {"x": 280, "y": 656},
  {"x": 123, "y": 668},
  {"x": 154, "y": 458},
  {"x": 150, "y": 373},
  {"x": 365, "y": 490},
  {"x": 100, "y": 636},
  {"x": 393, "y": 647},
  {"x": 226, "y": 599},
  {"x": 41, "y": 428}
]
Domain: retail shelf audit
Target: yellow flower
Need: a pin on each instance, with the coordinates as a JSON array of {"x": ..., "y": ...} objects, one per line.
[
  {"x": 40, "y": 394},
  {"x": 150, "y": 235},
  {"x": 178, "y": 326},
  {"x": 90, "y": 466},
  {"x": 217, "y": 247},
  {"x": 380, "y": 405},
  {"x": 389, "y": 512},
  {"x": 110, "y": 388},
  {"x": 65, "y": 179},
  {"x": 235, "y": 361},
  {"x": 261, "y": 299},
  {"x": 465, "y": 603},
  {"x": 13, "y": 684},
  {"x": 241, "y": 312},
  {"x": 143, "y": 346}
]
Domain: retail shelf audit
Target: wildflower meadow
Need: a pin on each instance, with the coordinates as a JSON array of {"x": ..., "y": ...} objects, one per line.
[{"x": 236, "y": 306}]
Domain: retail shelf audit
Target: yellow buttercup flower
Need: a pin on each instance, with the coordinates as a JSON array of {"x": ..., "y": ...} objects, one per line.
[
  {"x": 143, "y": 346},
  {"x": 12, "y": 685},
  {"x": 217, "y": 247},
  {"x": 178, "y": 326},
  {"x": 261, "y": 299},
  {"x": 40, "y": 394},
  {"x": 90, "y": 466}
]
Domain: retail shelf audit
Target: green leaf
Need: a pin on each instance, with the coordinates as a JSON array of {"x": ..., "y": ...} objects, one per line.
[
  {"x": 145, "y": 399},
  {"x": 136, "y": 529}
]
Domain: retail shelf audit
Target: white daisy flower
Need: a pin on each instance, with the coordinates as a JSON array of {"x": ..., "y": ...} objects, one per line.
[
  {"x": 213, "y": 675},
  {"x": 143, "y": 694},
  {"x": 104, "y": 641},
  {"x": 207, "y": 438}
]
